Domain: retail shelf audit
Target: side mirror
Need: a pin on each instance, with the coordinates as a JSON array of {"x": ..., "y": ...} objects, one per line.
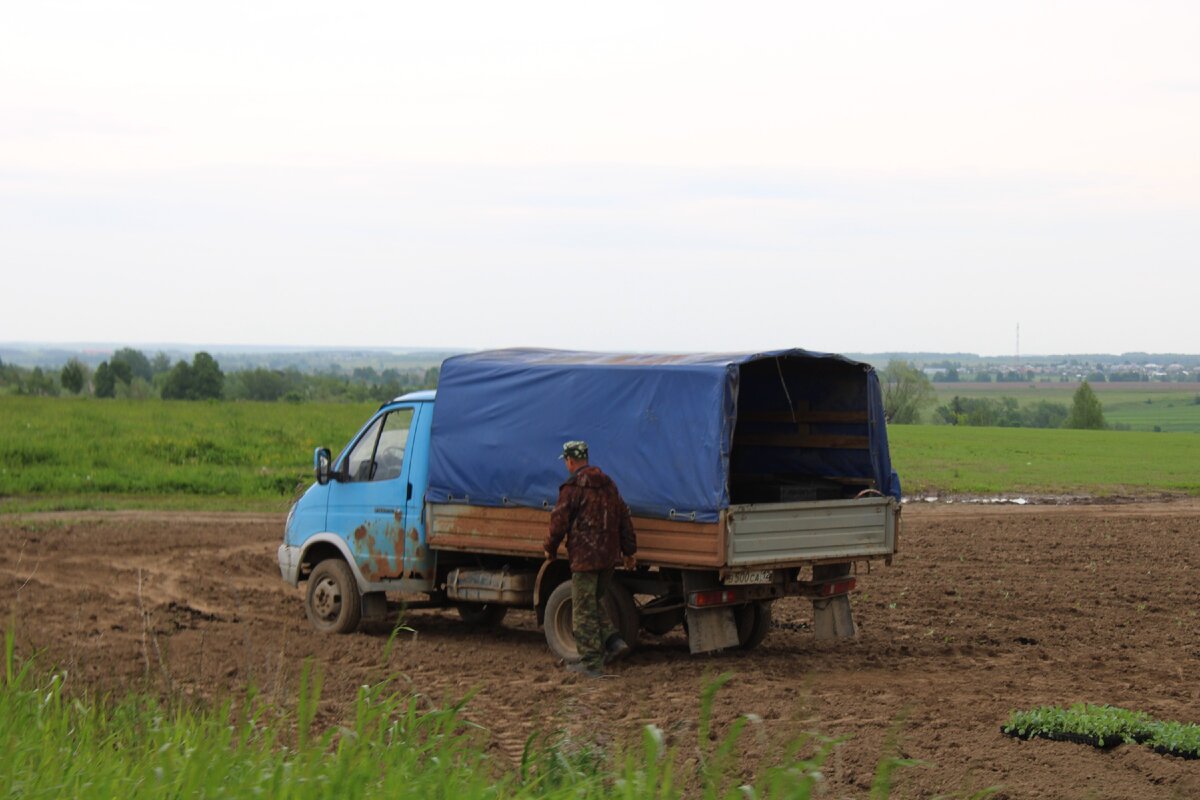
[{"x": 321, "y": 463}]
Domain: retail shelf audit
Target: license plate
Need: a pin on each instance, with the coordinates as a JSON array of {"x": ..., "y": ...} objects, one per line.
[{"x": 744, "y": 578}]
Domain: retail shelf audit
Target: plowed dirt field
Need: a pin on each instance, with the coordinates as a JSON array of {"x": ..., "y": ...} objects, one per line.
[{"x": 985, "y": 610}]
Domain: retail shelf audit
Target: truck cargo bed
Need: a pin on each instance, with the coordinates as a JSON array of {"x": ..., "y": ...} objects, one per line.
[{"x": 762, "y": 534}]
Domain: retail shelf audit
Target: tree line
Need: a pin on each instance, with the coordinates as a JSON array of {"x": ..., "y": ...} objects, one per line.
[
  {"x": 130, "y": 373},
  {"x": 907, "y": 391}
]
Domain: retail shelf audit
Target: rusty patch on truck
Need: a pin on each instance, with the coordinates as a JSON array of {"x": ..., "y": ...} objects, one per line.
[
  {"x": 378, "y": 565},
  {"x": 414, "y": 535}
]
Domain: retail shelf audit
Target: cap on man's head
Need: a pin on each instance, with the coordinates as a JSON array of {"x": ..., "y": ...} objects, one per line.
[{"x": 575, "y": 449}]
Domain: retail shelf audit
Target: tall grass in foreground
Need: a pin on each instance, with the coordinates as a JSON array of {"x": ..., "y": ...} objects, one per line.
[{"x": 55, "y": 745}]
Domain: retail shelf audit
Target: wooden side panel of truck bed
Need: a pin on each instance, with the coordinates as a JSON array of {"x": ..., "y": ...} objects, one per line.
[{"x": 521, "y": 531}]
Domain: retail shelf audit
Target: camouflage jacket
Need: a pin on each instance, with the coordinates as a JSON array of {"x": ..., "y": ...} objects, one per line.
[{"x": 594, "y": 519}]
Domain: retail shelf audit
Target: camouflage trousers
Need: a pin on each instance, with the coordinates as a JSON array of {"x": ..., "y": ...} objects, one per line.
[{"x": 589, "y": 619}]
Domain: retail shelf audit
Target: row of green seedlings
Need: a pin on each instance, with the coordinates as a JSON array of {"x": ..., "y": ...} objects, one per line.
[
  {"x": 394, "y": 745},
  {"x": 1104, "y": 727}
]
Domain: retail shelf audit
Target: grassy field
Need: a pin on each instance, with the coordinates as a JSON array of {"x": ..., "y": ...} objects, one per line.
[
  {"x": 964, "y": 460},
  {"x": 1171, "y": 407},
  {"x": 81, "y": 453},
  {"x": 58, "y": 454}
]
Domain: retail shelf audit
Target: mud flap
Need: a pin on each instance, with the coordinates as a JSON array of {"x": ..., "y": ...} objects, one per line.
[
  {"x": 711, "y": 629},
  {"x": 832, "y": 618},
  {"x": 708, "y": 628}
]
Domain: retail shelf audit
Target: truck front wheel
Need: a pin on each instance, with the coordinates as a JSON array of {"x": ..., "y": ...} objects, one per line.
[
  {"x": 560, "y": 635},
  {"x": 333, "y": 604}
]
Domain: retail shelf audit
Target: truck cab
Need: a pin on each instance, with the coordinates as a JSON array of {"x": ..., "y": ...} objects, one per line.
[{"x": 366, "y": 509}]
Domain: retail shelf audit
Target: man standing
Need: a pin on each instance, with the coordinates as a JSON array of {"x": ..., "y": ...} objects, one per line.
[{"x": 595, "y": 521}]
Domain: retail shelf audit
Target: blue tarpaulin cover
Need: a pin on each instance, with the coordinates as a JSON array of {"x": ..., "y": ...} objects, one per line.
[{"x": 662, "y": 426}]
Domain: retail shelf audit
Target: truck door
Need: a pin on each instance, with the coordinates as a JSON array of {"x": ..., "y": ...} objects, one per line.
[{"x": 369, "y": 498}]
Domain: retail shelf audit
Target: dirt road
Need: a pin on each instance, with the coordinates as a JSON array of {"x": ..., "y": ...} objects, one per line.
[{"x": 985, "y": 610}]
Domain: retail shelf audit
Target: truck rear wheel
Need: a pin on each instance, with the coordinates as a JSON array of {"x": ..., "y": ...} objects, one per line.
[
  {"x": 660, "y": 623},
  {"x": 561, "y": 637},
  {"x": 753, "y": 624},
  {"x": 333, "y": 604},
  {"x": 482, "y": 615}
]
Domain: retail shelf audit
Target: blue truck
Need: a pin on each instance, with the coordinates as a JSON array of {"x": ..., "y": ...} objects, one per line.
[{"x": 751, "y": 477}]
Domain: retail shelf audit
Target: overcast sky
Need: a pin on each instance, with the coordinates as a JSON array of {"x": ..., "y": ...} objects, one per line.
[{"x": 617, "y": 176}]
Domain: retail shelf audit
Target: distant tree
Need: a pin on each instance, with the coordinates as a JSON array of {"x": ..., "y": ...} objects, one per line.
[
  {"x": 207, "y": 378},
  {"x": 139, "y": 365},
  {"x": 104, "y": 383},
  {"x": 256, "y": 384},
  {"x": 1086, "y": 410},
  {"x": 1044, "y": 414},
  {"x": 431, "y": 377},
  {"x": 949, "y": 413},
  {"x": 73, "y": 376},
  {"x": 906, "y": 391},
  {"x": 41, "y": 384},
  {"x": 178, "y": 385},
  {"x": 949, "y": 376},
  {"x": 201, "y": 380},
  {"x": 161, "y": 363},
  {"x": 10, "y": 376},
  {"x": 365, "y": 375},
  {"x": 122, "y": 372},
  {"x": 986, "y": 412}
]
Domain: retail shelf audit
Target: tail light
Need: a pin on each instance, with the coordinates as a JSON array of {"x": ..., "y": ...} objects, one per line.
[
  {"x": 716, "y": 597},
  {"x": 843, "y": 586}
]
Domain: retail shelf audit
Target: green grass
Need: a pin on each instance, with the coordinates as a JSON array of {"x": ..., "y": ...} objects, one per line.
[
  {"x": 1171, "y": 407},
  {"x": 392, "y": 745},
  {"x": 72, "y": 453},
  {"x": 964, "y": 460}
]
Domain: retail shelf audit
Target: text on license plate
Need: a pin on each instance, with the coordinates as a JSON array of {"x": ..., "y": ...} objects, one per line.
[{"x": 743, "y": 578}]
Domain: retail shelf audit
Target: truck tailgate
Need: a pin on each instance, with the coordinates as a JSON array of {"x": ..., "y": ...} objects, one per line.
[{"x": 784, "y": 533}]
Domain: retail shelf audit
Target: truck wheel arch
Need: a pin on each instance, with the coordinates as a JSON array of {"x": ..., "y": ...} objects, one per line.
[
  {"x": 325, "y": 546},
  {"x": 549, "y": 577}
]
